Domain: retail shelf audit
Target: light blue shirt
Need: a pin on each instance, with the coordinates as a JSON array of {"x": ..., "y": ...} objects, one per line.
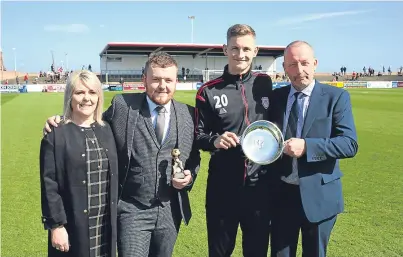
[
  {"x": 303, "y": 103},
  {"x": 154, "y": 114}
]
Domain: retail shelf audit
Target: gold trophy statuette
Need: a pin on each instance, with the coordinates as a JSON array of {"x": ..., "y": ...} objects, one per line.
[{"x": 177, "y": 165}]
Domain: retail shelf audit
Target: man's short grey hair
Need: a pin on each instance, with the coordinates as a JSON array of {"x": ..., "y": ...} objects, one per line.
[{"x": 297, "y": 43}]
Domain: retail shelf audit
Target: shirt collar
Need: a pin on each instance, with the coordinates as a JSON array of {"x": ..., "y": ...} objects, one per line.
[
  {"x": 242, "y": 78},
  {"x": 306, "y": 91},
  {"x": 152, "y": 105}
]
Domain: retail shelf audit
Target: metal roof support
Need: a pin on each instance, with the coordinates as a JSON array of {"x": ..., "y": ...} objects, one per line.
[
  {"x": 202, "y": 52},
  {"x": 156, "y": 50}
]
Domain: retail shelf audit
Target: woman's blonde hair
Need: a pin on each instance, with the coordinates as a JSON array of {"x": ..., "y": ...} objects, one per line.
[{"x": 87, "y": 79}]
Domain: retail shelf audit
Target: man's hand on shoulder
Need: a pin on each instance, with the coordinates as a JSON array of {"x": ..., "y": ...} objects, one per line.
[{"x": 52, "y": 121}]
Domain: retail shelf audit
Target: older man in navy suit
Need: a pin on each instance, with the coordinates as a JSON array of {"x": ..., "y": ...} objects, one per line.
[{"x": 318, "y": 127}]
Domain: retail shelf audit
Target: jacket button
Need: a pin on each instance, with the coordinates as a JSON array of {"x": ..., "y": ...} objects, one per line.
[
  {"x": 44, "y": 219},
  {"x": 84, "y": 182},
  {"x": 83, "y": 155},
  {"x": 106, "y": 149},
  {"x": 82, "y": 129},
  {"x": 85, "y": 211},
  {"x": 111, "y": 174}
]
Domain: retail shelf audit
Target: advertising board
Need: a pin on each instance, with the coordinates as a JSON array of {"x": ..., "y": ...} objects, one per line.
[
  {"x": 9, "y": 89},
  {"x": 280, "y": 84},
  {"x": 53, "y": 88},
  {"x": 355, "y": 84},
  {"x": 379, "y": 84},
  {"x": 338, "y": 84}
]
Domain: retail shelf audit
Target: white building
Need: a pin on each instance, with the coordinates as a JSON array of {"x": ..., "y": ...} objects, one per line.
[{"x": 128, "y": 58}]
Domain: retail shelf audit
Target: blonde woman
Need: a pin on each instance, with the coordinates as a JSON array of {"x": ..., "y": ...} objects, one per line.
[{"x": 78, "y": 174}]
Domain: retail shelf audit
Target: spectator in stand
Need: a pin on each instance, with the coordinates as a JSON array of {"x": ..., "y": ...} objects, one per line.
[
  {"x": 26, "y": 79},
  {"x": 371, "y": 71}
]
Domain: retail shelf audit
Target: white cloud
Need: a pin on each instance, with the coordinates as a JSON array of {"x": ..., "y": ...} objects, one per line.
[
  {"x": 317, "y": 16},
  {"x": 299, "y": 28},
  {"x": 71, "y": 28}
]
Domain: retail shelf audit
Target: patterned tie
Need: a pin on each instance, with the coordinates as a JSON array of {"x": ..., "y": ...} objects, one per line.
[
  {"x": 292, "y": 132},
  {"x": 159, "y": 127},
  {"x": 293, "y": 118}
]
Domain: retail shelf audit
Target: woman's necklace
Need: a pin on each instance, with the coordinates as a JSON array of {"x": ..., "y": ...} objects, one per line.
[{"x": 98, "y": 149}]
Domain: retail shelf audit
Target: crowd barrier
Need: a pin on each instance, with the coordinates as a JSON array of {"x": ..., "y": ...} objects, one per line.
[{"x": 54, "y": 88}]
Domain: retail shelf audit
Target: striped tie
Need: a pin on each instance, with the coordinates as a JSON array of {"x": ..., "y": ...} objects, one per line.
[{"x": 159, "y": 127}]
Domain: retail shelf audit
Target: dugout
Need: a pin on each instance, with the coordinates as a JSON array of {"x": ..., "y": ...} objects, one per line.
[{"x": 201, "y": 62}]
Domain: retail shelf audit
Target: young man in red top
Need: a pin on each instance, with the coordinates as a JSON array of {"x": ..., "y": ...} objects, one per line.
[{"x": 237, "y": 190}]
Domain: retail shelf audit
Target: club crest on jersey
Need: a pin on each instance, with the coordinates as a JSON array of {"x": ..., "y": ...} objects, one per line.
[{"x": 265, "y": 102}]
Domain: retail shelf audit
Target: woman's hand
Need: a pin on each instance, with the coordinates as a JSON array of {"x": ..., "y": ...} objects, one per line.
[{"x": 60, "y": 239}]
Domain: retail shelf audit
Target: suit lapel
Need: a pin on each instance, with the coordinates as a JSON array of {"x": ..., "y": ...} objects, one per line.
[
  {"x": 171, "y": 133},
  {"x": 145, "y": 112},
  {"x": 314, "y": 103},
  {"x": 132, "y": 118},
  {"x": 179, "y": 120}
]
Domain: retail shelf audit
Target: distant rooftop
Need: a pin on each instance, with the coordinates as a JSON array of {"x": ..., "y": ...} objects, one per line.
[{"x": 137, "y": 48}]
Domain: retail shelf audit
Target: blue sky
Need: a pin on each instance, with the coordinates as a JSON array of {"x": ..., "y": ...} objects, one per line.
[{"x": 353, "y": 34}]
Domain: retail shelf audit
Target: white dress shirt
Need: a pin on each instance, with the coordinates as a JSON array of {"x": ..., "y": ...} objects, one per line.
[
  {"x": 293, "y": 178},
  {"x": 154, "y": 114}
]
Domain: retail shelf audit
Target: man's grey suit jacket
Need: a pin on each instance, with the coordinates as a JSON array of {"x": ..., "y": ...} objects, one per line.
[{"x": 123, "y": 114}]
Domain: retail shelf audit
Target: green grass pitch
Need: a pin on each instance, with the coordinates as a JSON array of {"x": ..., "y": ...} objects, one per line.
[{"x": 371, "y": 226}]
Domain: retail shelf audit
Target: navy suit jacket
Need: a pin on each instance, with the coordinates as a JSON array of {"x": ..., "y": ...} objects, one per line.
[{"x": 330, "y": 134}]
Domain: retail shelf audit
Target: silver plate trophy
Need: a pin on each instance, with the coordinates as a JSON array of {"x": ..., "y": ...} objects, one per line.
[{"x": 262, "y": 142}]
